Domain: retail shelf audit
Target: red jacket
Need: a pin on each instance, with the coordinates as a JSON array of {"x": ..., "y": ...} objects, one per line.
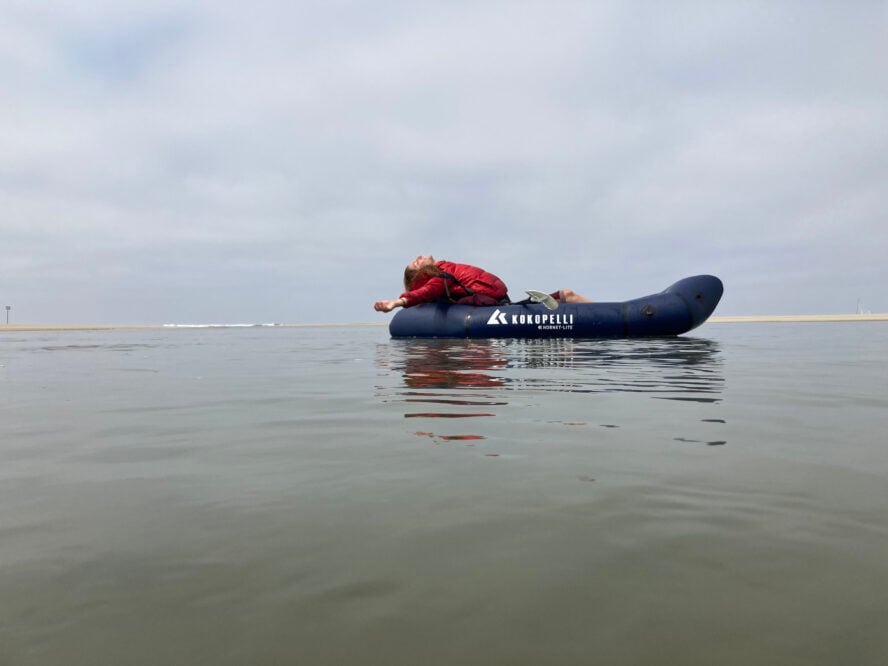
[{"x": 427, "y": 288}]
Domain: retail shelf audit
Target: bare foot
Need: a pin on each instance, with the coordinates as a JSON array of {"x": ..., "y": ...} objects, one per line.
[{"x": 570, "y": 296}]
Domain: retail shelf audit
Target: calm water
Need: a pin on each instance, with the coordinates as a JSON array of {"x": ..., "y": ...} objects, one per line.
[{"x": 330, "y": 496}]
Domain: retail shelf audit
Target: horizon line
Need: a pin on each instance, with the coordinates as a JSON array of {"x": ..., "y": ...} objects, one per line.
[{"x": 715, "y": 319}]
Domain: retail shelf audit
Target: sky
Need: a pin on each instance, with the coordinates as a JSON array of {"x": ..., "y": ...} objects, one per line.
[{"x": 212, "y": 161}]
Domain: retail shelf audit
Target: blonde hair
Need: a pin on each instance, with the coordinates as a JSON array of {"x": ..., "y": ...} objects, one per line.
[{"x": 413, "y": 274}]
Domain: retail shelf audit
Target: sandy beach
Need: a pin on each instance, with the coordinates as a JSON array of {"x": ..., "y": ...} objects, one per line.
[
  {"x": 172, "y": 327},
  {"x": 760, "y": 319},
  {"x": 723, "y": 319}
]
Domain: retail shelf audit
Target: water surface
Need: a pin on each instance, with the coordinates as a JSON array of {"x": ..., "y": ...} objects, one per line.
[{"x": 269, "y": 496}]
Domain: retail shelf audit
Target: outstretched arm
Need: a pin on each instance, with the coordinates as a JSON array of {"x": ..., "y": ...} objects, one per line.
[{"x": 388, "y": 306}]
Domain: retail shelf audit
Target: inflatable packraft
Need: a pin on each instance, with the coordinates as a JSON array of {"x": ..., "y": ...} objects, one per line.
[{"x": 675, "y": 310}]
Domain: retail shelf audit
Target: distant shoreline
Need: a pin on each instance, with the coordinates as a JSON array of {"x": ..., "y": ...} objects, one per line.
[
  {"x": 762, "y": 319},
  {"x": 724, "y": 319},
  {"x": 173, "y": 327}
]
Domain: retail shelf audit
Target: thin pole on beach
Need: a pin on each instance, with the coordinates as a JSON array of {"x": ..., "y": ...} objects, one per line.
[{"x": 8, "y": 308}]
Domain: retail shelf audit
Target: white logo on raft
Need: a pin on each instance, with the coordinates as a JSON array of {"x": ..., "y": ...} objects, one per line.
[
  {"x": 497, "y": 318},
  {"x": 540, "y": 319}
]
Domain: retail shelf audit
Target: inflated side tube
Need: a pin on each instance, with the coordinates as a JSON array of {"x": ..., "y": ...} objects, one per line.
[{"x": 675, "y": 310}]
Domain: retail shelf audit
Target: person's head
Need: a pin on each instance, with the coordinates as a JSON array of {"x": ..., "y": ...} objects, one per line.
[
  {"x": 421, "y": 261},
  {"x": 422, "y": 265}
]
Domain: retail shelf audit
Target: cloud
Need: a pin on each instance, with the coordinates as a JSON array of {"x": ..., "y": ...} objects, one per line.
[{"x": 183, "y": 148}]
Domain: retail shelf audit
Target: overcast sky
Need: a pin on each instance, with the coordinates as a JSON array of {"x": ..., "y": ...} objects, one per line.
[{"x": 212, "y": 161}]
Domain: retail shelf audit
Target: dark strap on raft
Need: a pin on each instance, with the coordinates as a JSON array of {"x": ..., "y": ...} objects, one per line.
[
  {"x": 469, "y": 291},
  {"x": 451, "y": 276}
]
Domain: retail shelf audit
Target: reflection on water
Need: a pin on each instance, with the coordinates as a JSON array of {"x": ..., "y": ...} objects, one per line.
[
  {"x": 454, "y": 379},
  {"x": 670, "y": 368}
]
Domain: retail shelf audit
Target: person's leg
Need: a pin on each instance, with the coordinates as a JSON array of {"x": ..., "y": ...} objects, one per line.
[{"x": 570, "y": 296}]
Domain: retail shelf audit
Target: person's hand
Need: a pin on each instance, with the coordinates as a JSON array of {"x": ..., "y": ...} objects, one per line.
[{"x": 387, "y": 306}]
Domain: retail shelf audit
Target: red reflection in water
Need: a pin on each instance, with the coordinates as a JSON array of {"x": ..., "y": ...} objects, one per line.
[
  {"x": 443, "y": 401},
  {"x": 449, "y": 378},
  {"x": 448, "y": 438},
  {"x": 443, "y": 365},
  {"x": 447, "y": 374},
  {"x": 433, "y": 415}
]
